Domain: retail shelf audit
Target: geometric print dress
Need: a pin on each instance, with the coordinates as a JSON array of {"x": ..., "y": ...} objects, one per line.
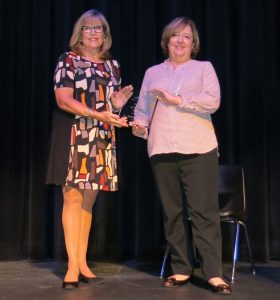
[{"x": 92, "y": 153}]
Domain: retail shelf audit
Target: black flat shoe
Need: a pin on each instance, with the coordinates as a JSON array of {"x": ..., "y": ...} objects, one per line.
[
  {"x": 86, "y": 279},
  {"x": 222, "y": 289},
  {"x": 172, "y": 282},
  {"x": 70, "y": 285}
]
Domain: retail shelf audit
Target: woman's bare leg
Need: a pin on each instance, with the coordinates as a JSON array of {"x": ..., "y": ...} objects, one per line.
[
  {"x": 71, "y": 220},
  {"x": 85, "y": 225}
]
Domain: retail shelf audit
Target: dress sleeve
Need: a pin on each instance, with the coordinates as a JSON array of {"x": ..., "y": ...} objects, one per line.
[
  {"x": 115, "y": 69},
  {"x": 64, "y": 72}
]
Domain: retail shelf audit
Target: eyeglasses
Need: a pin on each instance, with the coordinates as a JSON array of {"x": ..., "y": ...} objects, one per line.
[{"x": 89, "y": 29}]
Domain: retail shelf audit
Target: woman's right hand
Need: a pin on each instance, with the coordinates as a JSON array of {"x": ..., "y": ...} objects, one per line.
[{"x": 112, "y": 119}]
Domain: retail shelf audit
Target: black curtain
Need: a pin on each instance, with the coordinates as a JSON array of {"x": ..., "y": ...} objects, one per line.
[{"x": 240, "y": 38}]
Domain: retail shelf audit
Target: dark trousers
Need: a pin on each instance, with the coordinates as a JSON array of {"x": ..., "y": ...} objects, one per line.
[{"x": 188, "y": 186}]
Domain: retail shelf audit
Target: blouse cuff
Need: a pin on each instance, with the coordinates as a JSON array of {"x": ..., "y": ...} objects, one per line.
[{"x": 187, "y": 103}]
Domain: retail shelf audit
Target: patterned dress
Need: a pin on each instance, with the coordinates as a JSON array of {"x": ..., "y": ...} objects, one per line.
[{"x": 92, "y": 157}]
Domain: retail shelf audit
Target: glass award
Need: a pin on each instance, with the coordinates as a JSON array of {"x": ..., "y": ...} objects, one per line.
[{"x": 128, "y": 109}]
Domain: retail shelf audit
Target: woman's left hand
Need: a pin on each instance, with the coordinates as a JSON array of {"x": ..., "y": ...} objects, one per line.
[
  {"x": 165, "y": 97},
  {"x": 121, "y": 122},
  {"x": 119, "y": 98}
]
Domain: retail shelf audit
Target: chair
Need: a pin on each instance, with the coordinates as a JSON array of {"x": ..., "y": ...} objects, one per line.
[
  {"x": 233, "y": 207},
  {"x": 232, "y": 203}
]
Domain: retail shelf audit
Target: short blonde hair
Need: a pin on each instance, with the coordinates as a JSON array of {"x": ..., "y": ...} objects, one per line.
[
  {"x": 75, "y": 41},
  {"x": 174, "y": 26}
]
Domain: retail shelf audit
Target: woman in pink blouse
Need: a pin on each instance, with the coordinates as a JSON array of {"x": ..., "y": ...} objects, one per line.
[{"x": 174, "y": 110}]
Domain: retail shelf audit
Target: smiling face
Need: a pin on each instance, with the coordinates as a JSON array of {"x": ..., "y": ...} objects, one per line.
[
  {"x": 180, "y": 44},
  {"x": 91, "y": 40},
  {"x": 92, "y": 35}
]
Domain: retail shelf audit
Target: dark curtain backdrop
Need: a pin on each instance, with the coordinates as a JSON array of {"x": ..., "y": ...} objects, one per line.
[{"x": 240, "y": 38}]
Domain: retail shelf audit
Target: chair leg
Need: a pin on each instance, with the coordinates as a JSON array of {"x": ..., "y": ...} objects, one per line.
[
  {"x": 249, "y": 248},
  {"x": 236, "y": 249},
  {"x": 164, "y": 261}
]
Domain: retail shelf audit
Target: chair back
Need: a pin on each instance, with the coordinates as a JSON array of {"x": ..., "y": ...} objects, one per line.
[{"x": 232, "y": 197}]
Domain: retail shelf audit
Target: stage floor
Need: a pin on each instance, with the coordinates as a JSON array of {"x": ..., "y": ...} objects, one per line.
[{"x": 130, "y": 281}]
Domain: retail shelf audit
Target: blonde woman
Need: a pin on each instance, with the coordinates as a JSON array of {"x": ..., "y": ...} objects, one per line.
[{"x": 88, "y": 91}]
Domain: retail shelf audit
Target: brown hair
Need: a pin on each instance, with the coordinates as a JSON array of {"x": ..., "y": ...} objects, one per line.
[
  {"x": 175, "y": 25},
  {"x": 75, "y": 41}
]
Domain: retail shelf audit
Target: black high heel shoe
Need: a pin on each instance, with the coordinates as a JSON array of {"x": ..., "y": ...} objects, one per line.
[
  {"x": 70, "y": 285},
  {"x": 87, "y": 279}
]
